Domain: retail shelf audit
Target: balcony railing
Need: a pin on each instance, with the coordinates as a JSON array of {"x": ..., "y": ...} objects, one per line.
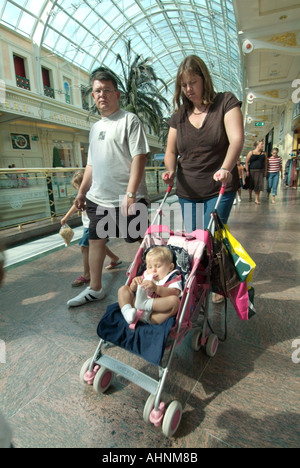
[
  {"x": 31, "y": 195},
  {"x": 49, "y": 92},
  {"x": 23, "y": 82}
]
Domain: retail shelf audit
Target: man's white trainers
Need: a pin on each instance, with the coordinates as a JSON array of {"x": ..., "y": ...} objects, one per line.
[{"x": 88, "y": 295}]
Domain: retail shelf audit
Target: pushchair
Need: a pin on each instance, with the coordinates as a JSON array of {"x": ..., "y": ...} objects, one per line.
[{"x": 156, "y": 343}]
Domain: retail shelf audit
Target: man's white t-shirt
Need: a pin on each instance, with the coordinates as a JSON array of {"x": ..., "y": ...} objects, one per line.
[{"x": 114, "y": 142}]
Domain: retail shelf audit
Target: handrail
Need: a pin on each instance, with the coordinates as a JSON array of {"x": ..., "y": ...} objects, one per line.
[
  {"x": 9, "y": 170},
  {"x": 29, "y": 195}
]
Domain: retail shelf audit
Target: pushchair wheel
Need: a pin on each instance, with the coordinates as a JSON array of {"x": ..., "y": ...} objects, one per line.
[
  {"x": 196, "y": 341},
  {"x": 212, "y": 345},
  {"x": 102, "y": 380},
  {"x": 149, "y": 405},
  {"x": 172, "y": 418},
  {"x": 83, "y": 370}
]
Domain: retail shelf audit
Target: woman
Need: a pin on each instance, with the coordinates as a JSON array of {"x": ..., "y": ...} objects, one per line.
[
  {"x": 274, "y": 169},
  {"x": 206, "y": 130},
  {"x": 256, "y": 169}
]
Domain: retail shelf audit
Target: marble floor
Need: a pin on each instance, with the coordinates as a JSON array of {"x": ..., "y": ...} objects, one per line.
[{"x": 246, "y": 396}]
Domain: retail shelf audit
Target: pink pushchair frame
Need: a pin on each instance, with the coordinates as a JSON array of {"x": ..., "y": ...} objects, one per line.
[{"x": 192, "y": 315}]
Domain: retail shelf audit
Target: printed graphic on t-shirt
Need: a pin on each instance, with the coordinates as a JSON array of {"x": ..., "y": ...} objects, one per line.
[{"x": 101, "y": 136}]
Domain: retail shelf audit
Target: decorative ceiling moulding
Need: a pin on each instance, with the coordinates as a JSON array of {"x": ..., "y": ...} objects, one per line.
[
  {"x": 288, "y": 39},
  {"x": 267, "y": 98},
  {"x": 255, "y": 44}
]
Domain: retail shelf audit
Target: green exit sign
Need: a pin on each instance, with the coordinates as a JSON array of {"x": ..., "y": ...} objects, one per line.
[{"x": 259, "y": 124}]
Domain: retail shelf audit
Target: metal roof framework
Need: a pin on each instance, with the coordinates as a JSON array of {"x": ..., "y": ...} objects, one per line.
[{"x": 90, "y": 33}]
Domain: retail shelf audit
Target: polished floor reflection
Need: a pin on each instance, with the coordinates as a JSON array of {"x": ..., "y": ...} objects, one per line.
[{"x": 246, "y": 396}]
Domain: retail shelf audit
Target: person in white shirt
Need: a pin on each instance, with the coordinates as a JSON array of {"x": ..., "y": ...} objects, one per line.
[
  {"x": 84, "y": 279},
  {"x": 113, "y": 187}
]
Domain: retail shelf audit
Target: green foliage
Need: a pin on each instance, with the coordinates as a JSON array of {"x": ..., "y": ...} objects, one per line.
[{"x": 139, "y": 88}]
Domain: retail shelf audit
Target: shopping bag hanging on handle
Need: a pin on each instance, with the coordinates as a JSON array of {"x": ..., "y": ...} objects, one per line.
[{"x": 243, "y": 262}]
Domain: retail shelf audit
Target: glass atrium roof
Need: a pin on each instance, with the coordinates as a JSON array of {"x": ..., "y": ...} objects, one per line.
[{"x": 90, "y": 33}]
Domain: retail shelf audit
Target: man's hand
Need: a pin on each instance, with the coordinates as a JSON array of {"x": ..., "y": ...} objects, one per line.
[
  {"x": 80, "y": 201},
  {"x": 127, "y": 207}
]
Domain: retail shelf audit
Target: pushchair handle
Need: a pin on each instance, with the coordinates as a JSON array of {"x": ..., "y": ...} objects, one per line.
[
  {"x": 221, "y": 193},
  {"x": 159, "y": 211},
  {"x": 166, "y": 177},
  {"x": 222, "y": 189}
]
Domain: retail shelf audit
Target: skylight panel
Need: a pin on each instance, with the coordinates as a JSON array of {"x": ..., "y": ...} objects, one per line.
[
  {"x": 51, "y": 38},
  {"x": 11, "y": 14},
  {"x": 86, "y": 62},
  {"x": 70, "y": 29},
  {"x": 59, "y": 20},
  {"x": 63, "y": 46},
  {"x": 26, "y": 23}
]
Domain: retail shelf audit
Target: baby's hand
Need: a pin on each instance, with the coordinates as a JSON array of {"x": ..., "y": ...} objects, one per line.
[
  {"x": 137, "y": 280},
  {"x": 149, "y": 285}
]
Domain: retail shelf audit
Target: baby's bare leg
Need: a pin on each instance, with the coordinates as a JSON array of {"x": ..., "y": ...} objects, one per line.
[
  {"x": 125, "y": 296},
  {"x": 163, "y": 308}
]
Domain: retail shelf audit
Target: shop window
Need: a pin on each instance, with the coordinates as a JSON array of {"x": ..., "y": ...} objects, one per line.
[
  {"x": 48, "y": 89},
  {"x": 84, "y": 98},
  {"x": 20, "y": 71},
  {"x": 84, "y": 148},
  {"x": 63, "y": 155},
  {"x": 67, "y": 90}
]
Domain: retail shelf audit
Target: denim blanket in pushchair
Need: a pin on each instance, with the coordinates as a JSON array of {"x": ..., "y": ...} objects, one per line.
[{"x": 147, "y": 340}]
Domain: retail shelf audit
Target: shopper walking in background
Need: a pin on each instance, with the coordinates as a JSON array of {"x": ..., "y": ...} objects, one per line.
[
  {"x": 256, "y": 167},
  {"x": 274, "y": 170},
  {"x": 84, "y": 279}
]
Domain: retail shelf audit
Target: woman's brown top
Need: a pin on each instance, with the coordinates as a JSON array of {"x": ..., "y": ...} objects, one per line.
[{"x": 202, "y": 151}]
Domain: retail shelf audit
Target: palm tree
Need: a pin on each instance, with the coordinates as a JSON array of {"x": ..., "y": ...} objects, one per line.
[
  {"x": 139, "y": 89},
  {"x": 140, "y": 93},
  {"x": 164, "y": 131}
]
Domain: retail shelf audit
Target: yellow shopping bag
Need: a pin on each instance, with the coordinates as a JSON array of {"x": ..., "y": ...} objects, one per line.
[{"x": 243, "y": 262}]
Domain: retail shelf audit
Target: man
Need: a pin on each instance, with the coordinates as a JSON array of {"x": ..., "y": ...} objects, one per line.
[{"x": 114, "y": 179}]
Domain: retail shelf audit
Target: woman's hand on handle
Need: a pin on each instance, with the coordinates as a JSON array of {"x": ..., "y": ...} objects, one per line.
[
  {"x": 168, "y": 177},
  {"x": 222, "y": 175}
]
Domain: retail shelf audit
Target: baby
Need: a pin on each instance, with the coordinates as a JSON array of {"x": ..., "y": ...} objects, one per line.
[{"x": 157, "y": 290}]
